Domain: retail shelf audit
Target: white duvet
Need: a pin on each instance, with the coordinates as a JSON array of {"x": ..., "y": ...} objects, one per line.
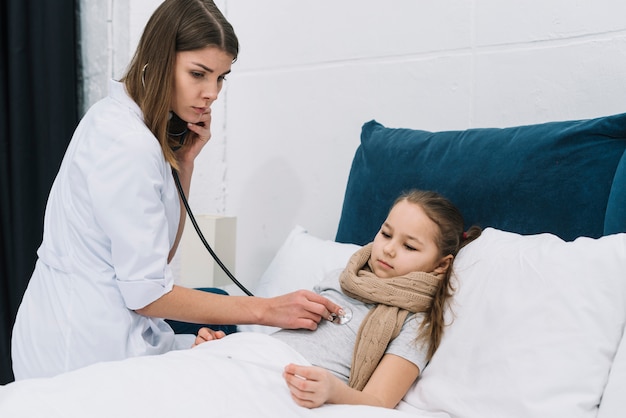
[
  {"x": 536, "y": 330},
  {"x": 237, "y": 376}
]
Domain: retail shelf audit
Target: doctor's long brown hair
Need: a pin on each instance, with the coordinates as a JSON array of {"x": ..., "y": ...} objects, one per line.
[
  {"x": 450, "y": 239},
  {"x": 176, "y": 25}
]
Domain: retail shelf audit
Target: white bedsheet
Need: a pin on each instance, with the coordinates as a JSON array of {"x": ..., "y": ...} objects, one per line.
[{"x": 238, "y": 376}]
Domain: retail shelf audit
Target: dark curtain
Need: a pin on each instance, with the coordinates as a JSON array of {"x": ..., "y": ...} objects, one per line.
[{"x": 39, "y": 111}]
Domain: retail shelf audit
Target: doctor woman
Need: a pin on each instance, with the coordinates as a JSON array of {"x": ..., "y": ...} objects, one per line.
[{"x": 102, "y": 283}]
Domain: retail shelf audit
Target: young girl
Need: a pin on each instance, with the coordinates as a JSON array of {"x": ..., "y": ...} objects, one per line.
[{"x": 396, "y": 289}]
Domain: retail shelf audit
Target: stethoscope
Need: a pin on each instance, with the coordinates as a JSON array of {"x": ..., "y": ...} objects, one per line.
[
  {"x": 201, "y": 235},
  {"x": 336, "y": 319},
  {"x": 182, "y": 135}
]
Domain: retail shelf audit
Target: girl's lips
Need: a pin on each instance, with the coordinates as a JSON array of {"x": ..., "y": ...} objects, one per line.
[{"x": 384, "y": 265}]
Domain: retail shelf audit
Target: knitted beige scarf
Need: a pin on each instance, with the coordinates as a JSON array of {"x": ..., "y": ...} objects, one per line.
[{"x": 395, "y": 298}]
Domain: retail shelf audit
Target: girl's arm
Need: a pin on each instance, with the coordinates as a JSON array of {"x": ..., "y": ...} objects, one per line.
[{"x": 313, "y": 386}]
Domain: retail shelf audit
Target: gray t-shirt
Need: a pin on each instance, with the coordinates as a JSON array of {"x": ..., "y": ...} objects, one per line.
[{"x": 331, "y": 345}]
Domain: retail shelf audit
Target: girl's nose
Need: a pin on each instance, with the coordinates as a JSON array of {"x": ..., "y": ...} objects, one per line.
[{"x": 389, "y": 249}]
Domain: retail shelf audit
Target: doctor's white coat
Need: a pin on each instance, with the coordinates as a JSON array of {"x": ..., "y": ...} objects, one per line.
[{"x": 111, "y": 219}]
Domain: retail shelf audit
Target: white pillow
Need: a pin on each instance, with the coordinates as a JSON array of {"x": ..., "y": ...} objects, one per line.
[
  {"x": 613, "y": 400},
  {"x": 301, "y": 262},
  {"x": 537, "y": 323}
]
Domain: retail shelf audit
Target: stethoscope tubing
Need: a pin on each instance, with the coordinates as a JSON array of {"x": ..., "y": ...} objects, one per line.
[{"x": 201, "y": 235}]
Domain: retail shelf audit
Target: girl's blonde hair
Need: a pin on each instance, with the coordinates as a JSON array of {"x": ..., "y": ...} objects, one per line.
[
  {"x": 450, "y": 239},
  {"x": 176, "y": 25}
]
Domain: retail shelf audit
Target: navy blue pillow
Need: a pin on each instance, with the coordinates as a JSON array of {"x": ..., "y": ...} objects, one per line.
[
  {"x": 616, "y": 206},
  {"x": 567, "y": 178}
]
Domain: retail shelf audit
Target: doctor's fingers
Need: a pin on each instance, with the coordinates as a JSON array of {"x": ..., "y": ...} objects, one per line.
[
  {"x": 314, "y": 308},
  {"x": 293, "y": 310},
  {"x": 322, "y": 306},
  {"x": 193, "y": 146},
  {"x": 202, "y": 128}
]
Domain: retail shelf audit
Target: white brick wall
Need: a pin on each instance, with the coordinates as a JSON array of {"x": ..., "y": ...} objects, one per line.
[{"x": 311, "y": 73}]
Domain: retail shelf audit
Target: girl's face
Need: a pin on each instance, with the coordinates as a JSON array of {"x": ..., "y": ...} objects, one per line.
[
  {"x": 406, "y": 243},
  {"x": 198, "y": 79}
]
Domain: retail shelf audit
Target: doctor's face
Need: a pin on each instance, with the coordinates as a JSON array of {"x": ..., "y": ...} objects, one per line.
[{"x": 198, "y": 79}]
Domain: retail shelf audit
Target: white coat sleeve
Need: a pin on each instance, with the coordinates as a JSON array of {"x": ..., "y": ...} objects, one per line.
[{"x": 127, "y": 191}]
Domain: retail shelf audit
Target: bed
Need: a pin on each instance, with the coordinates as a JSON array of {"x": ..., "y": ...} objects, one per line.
[{"x": 536, "y": 326}]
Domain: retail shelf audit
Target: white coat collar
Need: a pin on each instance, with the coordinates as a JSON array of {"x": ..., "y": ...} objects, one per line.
[{"x": 117, "y": 92}]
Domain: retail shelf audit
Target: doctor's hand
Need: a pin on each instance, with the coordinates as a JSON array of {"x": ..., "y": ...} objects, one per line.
[
  {"x": 197, "y": 137},
  {"x": 300, "y": 309},
  {"x": 207, "y": 334}
]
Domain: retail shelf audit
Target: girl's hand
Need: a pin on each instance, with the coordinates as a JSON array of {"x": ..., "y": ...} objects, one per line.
[
  {"x": 311, "y": 386},
  {"x": 207, "y": 334}
]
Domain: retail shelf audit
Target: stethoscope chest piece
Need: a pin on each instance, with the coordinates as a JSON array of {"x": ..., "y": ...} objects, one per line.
[{"x": 342, "y": 319}]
